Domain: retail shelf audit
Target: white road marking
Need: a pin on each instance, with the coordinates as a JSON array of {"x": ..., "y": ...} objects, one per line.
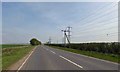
[
  {"x": 94, "y": 58},
  {"x": 25, "y": 60},
  {"x": 71, "y": 61},
  {"x": 46, "y": 49},
  {"x": 53, "y": 52},
  {"x": 50, "y": 51},
  {"x": 90, "y": 57}
]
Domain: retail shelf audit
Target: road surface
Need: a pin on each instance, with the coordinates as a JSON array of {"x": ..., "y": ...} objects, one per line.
[{"x": 47, "y": 58}]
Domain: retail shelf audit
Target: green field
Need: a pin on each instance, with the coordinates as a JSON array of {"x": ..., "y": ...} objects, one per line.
[
  {"x": 12, "y": 45},
  {"x": 11, "y": 54},
  {"x": 109, "y": 57}
]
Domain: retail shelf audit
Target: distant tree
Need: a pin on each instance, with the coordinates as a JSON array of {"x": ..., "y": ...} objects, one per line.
[{"x": 34, "y": 41}]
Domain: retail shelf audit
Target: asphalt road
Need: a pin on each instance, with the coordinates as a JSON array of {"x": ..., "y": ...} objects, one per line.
[{"x": 47, "y": 58}]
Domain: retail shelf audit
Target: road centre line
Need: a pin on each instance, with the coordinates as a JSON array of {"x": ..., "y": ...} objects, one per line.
[
  {"x": 93, "y": 58},
  {"x": 46, "y": 49},
  {"x": 90, "y": 57},
  {"x": 53, "y": 52},
  {"x": 71, "y": 61}
]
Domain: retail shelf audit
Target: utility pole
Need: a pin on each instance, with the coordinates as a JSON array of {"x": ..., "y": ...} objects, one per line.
[
  {"x": 67, "y": 38},
  {"x": 49, "y": 40},
  {"x": 64, "y": 37},
  {"x": 69, "y": 32},
  {"x": 57, "y": 41}
]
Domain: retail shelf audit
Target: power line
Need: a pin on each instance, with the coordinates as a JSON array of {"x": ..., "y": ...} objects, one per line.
[
  {"x": 93, "y": 13},
  {"x": 93, "y": 20},
  {"x": 95, "y": 29},
  {"x": 103, "y": 12},
  {"x": 99, "y": 17},
  {"x": 98, "y": 25},
  {"x": 99, "y": 35}
]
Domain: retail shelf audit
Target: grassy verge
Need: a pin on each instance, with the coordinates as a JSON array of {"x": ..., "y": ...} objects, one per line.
[
  {"x": 109, "y": 57},
  {"x": 12, "y": 55},
  {"x": 0, "y": 58}
]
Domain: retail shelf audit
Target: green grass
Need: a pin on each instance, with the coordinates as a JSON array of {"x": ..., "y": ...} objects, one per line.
[
  {"x": 0, "y": 57},
  {"x": 109, "y": 57},
  {"x": 12, "y": 55},
  {"x": 11, "y": 45}
]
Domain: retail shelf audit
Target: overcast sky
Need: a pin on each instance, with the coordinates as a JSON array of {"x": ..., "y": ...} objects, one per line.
[{"x": 90, "y": 21}]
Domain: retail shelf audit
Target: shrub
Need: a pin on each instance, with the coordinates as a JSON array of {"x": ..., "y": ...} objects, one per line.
[{"x": 111, "y": 48}]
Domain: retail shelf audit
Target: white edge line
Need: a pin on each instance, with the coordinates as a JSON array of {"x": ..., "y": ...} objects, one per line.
[
  {"x": 90, "y": 57},
  {"x": 71, "y": 61},
  {"x": 25, "y": 60}
]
